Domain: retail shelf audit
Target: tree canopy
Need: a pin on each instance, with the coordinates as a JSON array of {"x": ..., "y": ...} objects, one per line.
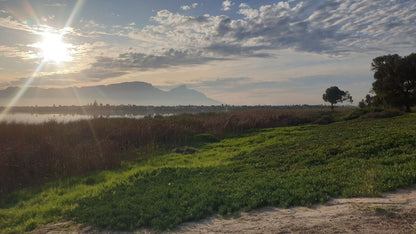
[
  {"x": 395, "y": 80},
  {"x": 370, "y": 101},
  {"x": 334, "y": 95}
]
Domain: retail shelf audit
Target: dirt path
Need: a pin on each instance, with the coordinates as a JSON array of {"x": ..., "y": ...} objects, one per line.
[{"x": 392, "y": 213}]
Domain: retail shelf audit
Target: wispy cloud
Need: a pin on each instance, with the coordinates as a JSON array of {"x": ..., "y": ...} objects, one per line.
[
  {"x": 99, "y": 73},
  {"x": 14, "y": 52},
  {"x": 189, "y": 7},
  {"x": 332, "y": 27},
  {"x": 285, "y": 46},
  {"x": 56, "y": 4},
  {"x": 90, "y": 75},
  {"x": 328, "y": 27},
  {"x": 11, "y": 23},
  {"x": 321, "y": 27},
  {"x": 141, "y": 61}
]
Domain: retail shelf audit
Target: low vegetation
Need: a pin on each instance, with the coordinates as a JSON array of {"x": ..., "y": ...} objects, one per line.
[
  {"x": 283, "y": 167},
  {"x": 32, "y": 154}
]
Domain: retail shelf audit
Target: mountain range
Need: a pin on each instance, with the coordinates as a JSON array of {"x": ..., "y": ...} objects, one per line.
[{"x": 135, "y": 93}]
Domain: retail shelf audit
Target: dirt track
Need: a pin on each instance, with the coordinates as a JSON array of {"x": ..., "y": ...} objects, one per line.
[{"x": 391, "y": 213}]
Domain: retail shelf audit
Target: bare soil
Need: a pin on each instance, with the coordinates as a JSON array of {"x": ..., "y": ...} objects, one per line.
[{"x": 392, "y": 213}]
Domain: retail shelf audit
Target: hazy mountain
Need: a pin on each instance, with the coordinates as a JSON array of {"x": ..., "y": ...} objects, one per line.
[{"x": 137, "y": 93}]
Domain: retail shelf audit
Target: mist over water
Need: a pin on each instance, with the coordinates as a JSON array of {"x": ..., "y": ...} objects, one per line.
[{"x": 31, "y": 118}]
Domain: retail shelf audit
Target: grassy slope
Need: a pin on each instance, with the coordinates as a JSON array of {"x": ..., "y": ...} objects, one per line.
[{"x": 281, "y": 167}]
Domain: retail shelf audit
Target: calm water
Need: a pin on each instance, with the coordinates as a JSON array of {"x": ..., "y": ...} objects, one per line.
[{"x": 41, "y": 118}]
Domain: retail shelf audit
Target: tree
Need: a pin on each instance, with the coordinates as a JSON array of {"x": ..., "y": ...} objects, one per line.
[
  {"x": 369, "y": 101},
  {"x": 334, "y": 95},
  {"x": 395, "y": 80}
]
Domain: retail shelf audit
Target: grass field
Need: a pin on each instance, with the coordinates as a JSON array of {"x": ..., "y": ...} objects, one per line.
[{"x": 282, "y": 167}]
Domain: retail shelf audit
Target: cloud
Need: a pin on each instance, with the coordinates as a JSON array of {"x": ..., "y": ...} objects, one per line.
[
  {"x": 14, "y": 52},
  {"x": 89, "y": 75},
  {"x": 167, "y": 18},
  {"x": 45, "y": 81},
  {"x": 11, "y": 23},
  {"x": 326, "y": 27},
  {"x": 226, "y": 5},
  {"x": 56, "y": 4},
  {"x": 248, "y": 12},
  {"x": 142, "y": 62},
  {"x": 201, "y": 34},
  {"x": 189, "y": 7},
  {"x": 224, "y": 49},
  {"x": 323, "y": 27},
  {"x": 185, "y": 7}
]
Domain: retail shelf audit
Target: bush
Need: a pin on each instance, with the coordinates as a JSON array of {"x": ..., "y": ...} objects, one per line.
[
  {"x": 382, "y": 114},
  {"x": 362, "y": 111},
  {"x": 325, "y": 119}
]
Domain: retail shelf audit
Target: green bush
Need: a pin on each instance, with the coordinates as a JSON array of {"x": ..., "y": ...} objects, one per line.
[{"x": 372, "y": 112}]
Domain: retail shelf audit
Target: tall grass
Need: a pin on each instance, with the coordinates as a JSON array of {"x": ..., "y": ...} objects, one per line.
[{"x": 32, "y": 153}]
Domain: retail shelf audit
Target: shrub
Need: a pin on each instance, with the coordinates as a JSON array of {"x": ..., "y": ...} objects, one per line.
[{"x": 372, "y": 113}]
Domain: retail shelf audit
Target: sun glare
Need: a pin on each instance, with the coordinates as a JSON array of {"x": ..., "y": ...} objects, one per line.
[{"x": 54, "y": 49}]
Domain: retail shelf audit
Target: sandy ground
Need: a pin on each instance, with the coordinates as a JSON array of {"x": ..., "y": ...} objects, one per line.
[{"x": 391, "y": 213}]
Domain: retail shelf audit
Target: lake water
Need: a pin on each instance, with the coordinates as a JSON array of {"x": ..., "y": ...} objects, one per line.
[{"x": 41, "y": 118}]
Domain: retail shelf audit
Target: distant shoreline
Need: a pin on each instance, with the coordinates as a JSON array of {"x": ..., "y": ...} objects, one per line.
[{"x": 106, "y": 109}]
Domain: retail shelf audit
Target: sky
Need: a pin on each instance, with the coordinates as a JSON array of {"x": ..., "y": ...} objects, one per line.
[{"x": 253, "y": 52}]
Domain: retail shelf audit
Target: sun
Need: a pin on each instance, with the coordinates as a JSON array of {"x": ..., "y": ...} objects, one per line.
[{"x": 53, "y": 49}]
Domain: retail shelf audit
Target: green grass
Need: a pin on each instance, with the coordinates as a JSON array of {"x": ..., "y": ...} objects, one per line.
[{"x": 282, "y": 167}]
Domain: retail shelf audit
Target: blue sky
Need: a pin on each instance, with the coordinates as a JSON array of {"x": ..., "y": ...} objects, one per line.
[{"x": 237, "y": 52}]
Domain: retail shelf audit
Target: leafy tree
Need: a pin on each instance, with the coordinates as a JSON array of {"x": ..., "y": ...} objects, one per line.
[
  {"x": 334, "y": 95},
  {"x": 395, "y": 80},
  {"x": 369, "y": 101}
]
